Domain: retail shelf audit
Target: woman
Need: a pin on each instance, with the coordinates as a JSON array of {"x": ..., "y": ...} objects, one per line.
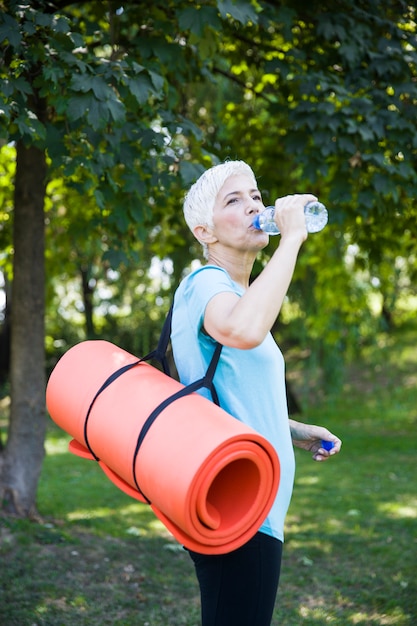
[{"x": 216, "y": 303}]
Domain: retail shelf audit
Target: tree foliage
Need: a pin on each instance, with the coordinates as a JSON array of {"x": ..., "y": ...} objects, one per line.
[{"x": 321, "y": 98}]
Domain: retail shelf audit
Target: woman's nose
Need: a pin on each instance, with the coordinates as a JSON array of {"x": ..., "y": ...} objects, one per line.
[{"x": 253, "y": 206}]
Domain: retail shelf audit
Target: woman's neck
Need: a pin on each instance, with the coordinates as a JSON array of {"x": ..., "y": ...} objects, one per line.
[{"x": 238, "y": 266}]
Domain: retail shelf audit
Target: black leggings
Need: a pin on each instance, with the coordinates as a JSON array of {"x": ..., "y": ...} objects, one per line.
[{"x": 239, "y": 588}]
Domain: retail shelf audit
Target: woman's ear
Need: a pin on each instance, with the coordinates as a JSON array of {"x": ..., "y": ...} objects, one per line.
[{"x": 204, "y": 234}]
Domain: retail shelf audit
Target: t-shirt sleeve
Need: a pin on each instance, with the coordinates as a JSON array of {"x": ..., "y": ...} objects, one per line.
[{"x": 202, "y": 286}]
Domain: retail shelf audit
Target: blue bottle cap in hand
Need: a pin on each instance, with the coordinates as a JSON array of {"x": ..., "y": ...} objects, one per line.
[
  {"x": 256, "y": 222},
  {"x": 327, "y": 445}
]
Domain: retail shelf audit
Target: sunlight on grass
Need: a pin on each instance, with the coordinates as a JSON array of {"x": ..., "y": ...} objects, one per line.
[
  {"x": 319, "y": 612},
  {"x": 59, "y": 603},
  {"x": 397, "y": 510},
  {"x": 361, "y": 617},
  {"x": 155, "y": 525},
  {"x": 92, "y": 513},
  {"x": 308, "y": 480},
  {"x": 145, "y": 527},
  {"x": 56, "y": 446}
]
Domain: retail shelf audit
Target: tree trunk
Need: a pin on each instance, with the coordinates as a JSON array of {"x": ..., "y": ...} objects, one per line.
[
  {"x": 21, "y": 460},
  {"x": 87, "y": 292},
  {"x": 5, "y": 336}
]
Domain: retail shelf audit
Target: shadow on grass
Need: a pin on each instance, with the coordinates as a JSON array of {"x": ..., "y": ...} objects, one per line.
[
  {"x": 64, "y": 576},
  {"x": 99, "y": 557}
]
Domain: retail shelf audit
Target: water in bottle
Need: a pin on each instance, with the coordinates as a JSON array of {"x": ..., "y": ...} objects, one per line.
[{"x": 315, "y": 213}]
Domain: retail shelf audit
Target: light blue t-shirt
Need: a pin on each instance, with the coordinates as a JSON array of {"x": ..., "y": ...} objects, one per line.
[{"x": 250, "y": 383}]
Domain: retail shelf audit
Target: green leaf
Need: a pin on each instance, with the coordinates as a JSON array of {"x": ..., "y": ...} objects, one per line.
[
  {"x": 137, "y": 68},
  {"x": 77, "y": 39},
  {"x": 53, "y": 73},
  {"x": 190, "y": 172},
  {"x": 285, "y": 20},
  {"x": 195, "y": 20},
  {"x": 140, "y": 87},
  {"x": 100, "y": 199},
  {"x": 158, "y": 81},
  {"x": 43, "y": 19},
  {"x": 120, "y": 219},
  {"x": 97, "y": 114},
  {"x": 61, "y": 25},
  {"x": 377, "y": 158},
  {"x": 5, "y": 114},
  {"x": 100, "y": 88},
  {"x": 115, "y": 258},
  {"x": 7, "y": 87},
  {"x": 81, "y": 82},
  {"x": 117, "y": 110},
  {"x": 9, "y": 30},
  {"x": 30, "y": 126},
  {"x": 189, "y": 127},
  {"x": 56, "y": 147},
  {"x": 241, "y": 11},
  {"x": 346, "y": 144},
  {"x": 29, "y": 27},
  {"x": 381, "y": 183},
  {"x": 133, "y": 184},
  {"x": 366, "y": 133},
  {"x": 349, "y": 51},
  {"x": 77, "y": 106}
]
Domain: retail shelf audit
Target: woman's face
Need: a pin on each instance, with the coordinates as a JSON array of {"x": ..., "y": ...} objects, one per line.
[{"x": 236, "y": 205}]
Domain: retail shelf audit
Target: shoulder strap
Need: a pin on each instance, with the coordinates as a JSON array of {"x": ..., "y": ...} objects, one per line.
[
  {"x": 206, "y": 381},
  {"x": 159, "y": 354}
]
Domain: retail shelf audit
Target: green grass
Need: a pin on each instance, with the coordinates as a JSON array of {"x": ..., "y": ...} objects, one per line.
[{"x": 351, "y": 539}]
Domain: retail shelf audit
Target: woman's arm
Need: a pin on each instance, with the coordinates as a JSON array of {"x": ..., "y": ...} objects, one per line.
[
  {"x": 243, "y": 322},
  {"x": 309, "y": 437}
]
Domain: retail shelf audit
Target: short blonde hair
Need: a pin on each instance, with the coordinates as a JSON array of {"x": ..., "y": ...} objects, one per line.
[{"x": 199, "y": 201}]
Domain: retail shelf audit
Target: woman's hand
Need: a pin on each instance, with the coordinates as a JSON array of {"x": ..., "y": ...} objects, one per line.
[
  {"x": 289, "y": 214},
  {"x": 310, "y": 437}
]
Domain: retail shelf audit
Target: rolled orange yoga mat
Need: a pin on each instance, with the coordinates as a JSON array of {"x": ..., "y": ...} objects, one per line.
[{"x": 209, "y": 478}]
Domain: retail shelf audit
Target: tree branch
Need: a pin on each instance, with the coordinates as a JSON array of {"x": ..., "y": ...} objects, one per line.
[{"x": 241, "y": 83}]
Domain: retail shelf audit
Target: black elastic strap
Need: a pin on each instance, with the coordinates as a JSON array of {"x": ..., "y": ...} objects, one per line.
[
  {"x": 104, "y": 386},
  {"x": 206, "y": 381}
]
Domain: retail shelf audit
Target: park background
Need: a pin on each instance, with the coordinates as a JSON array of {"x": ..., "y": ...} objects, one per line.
[{"x": 109, "y": 111}]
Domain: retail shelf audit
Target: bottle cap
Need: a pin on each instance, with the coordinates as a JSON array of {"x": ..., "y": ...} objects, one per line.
[
  {"x": 256, "y": 223},
  {"x": 327, "y": 445}
]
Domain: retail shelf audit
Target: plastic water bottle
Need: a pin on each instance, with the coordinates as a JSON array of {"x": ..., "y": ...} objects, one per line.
[{"x": 315, "y": 213}]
